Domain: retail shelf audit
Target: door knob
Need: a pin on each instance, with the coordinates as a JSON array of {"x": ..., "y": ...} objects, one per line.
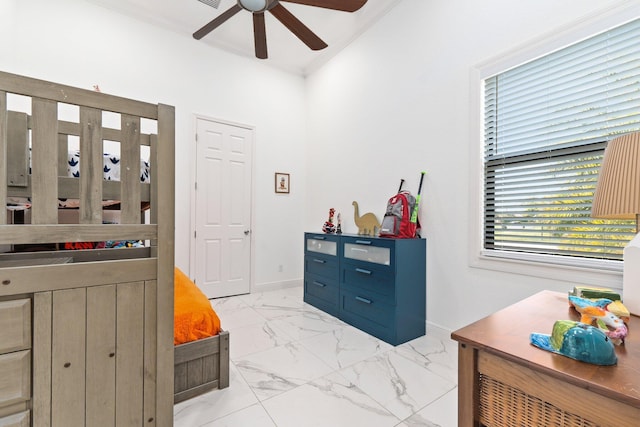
[{"x": 246, "y": 232}]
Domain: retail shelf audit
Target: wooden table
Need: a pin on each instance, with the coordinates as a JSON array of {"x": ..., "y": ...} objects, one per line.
[{"x": 504, "y": 381}]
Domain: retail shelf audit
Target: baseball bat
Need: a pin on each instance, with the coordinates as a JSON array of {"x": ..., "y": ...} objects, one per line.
[{"x": 414, "y": 214}]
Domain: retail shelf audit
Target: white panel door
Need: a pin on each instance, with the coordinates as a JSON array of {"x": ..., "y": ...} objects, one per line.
[{"x": 223, "y": 209}]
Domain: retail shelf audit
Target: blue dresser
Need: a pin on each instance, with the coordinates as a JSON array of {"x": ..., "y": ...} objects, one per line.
[{"x": 376, "y": 284}]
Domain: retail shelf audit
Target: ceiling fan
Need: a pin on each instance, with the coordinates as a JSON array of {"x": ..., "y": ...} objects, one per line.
[{"x": 259, "y": 7}]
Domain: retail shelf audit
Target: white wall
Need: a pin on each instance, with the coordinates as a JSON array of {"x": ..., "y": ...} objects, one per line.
[
  {"x": 77, "y": 43},
  {"x": 396, "y": 102}
]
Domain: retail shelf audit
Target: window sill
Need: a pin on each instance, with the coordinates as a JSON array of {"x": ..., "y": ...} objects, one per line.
[{"x": 583, "y": 272}]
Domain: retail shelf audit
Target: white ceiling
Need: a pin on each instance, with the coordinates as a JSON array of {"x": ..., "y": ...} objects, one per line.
[{"x": 285, "y": 50}]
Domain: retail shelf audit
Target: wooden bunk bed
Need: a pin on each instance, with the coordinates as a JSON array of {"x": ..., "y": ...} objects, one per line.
[{"x": 86, "y": 335}]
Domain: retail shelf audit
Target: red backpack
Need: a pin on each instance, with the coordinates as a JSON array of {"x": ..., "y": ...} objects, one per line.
[{"x": 397, "y": 219}]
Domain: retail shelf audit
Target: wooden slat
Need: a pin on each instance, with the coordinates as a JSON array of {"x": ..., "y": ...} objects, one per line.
[
  {"x": 68, "y": 358},
  {"x": 67, "y": 276},
  {"x": 210, "y": 367},
  {"x": 195, "y": 372},
  {"x": 17, "y": 149},
  {"x": 44, "y": 162},
  {"x": 71, "y": 95},
  {"x": 166, "y": 223},
  {"x": 153, "y": 194},
  {"x": 7, "y": 262},
  {"x": 68, "y": 188},
  {"x": 42, "y": 320},
  {"x": 26, "y": 234},
  {"x": 63, "y": 155},
  {"x": 91, "y": 165},
  {"x": 101, "y": 361},
  {"x": 130, "y": 354},
  {"x": 3, "y": 154},
  {"x": 188, "y": 393},
  {"x": 180, "y": 383},
  {"x": 130, "y": 170},
  {"x": 224, "y": 360},
  {"x": 467, "y": 386},
  {"x": 77, "y": 255},
  {"x": 196, "y": 349},
  {"x": 150, "y": 349}
]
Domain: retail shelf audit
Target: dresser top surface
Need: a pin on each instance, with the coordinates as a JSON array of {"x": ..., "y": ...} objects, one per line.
[{"x": 506, "y": 334}]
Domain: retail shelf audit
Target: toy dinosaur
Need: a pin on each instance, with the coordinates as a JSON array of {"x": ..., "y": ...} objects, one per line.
[{"x": 367, "y": 224}]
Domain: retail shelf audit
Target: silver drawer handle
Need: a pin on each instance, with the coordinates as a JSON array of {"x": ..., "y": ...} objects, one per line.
[
  {"x": 364, "y": 300},
  {"x": 319, "y": 261},
  {"x": 363, "y": 242},
  {"x": 322, "y": 285},
  {"x": 319, "y": 237},
  {"x": 363, "y": 271}
]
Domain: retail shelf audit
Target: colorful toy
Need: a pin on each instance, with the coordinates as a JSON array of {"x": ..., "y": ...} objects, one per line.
[
  {"x": 596, "y": 310},
  {"x": 577, "y": 341},
  {"x": 615, "y": 306},
  {"x": 328, "y": 226}
]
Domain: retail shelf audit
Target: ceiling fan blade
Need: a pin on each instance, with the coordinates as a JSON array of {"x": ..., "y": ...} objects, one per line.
[
  {"x": 343, "y": 5},
  {"x": 219, "y": 20},
  {"x": 260, "y": 35},
  {"x": 298, "y": 28}
]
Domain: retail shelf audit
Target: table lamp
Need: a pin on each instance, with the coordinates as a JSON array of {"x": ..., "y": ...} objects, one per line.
[{"x": 617, "y": 196}]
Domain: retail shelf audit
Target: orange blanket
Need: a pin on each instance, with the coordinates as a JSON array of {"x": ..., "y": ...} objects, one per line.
[{"x": 194, "y": 317}]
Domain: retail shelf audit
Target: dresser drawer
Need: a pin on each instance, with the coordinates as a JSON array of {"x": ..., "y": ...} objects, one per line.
[
  {"x": 368, "y": 313},
  {"x": 379, "y": 252},
  {"x": 15, "y": 325},
  {"x": 319, "y": 287},
  {"x": 321, "y": 244},
  {"x": 16, "y": 420},
  {"x": 15, "y": 377},
  {"x": 322, "y": 293},
  {"x": 322, "y": 266},
  {"x": 370, "y": 280}
]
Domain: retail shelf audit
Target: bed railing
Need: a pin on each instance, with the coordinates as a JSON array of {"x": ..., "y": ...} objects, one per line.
[{"x": 33, "y": 164}]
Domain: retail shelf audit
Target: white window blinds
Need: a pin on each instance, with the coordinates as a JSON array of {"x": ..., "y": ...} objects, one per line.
[{"x": 546, "y": 127}]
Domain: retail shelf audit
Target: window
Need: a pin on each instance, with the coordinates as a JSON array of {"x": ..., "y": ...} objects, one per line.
[{"x": 546, "y": 124}]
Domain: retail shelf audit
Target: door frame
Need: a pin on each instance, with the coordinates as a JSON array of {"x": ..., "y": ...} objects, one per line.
[{"x": 192, "y": 182}]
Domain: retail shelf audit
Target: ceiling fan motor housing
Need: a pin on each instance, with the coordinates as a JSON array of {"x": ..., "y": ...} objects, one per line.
[{"x": 254, "y": 5}]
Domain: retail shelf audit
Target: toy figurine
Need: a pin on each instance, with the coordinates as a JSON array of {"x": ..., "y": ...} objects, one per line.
[
  {"x": 596, "y": 310},
  {"x": 328, "y": 226},
  {"x": 577, "y": 341},
  {"x": 339, "y": 229}
]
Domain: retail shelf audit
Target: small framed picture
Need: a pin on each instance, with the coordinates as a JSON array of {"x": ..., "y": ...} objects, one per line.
[{"x": 282, "y": 182}]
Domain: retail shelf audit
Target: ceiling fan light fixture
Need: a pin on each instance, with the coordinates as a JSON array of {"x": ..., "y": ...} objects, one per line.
[{"x": 254, "y": 5}]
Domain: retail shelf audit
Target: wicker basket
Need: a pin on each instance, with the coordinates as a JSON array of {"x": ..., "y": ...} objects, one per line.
[{"x": 502, "y": 405}]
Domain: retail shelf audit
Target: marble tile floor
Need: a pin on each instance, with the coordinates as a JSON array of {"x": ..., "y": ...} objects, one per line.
[{"x": 293, "y": 365}]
